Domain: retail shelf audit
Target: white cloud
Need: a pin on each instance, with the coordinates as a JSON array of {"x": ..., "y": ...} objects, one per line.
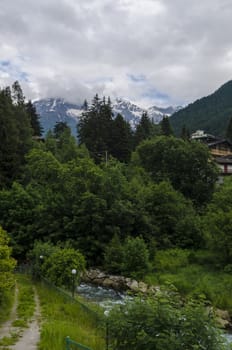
[{"x": 77, "y": 48}]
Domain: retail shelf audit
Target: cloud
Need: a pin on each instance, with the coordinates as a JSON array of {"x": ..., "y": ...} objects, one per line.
[{"x": 149, "y": 51}]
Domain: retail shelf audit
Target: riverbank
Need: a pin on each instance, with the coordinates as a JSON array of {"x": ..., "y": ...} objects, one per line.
[{"x": 120, "y": 283}]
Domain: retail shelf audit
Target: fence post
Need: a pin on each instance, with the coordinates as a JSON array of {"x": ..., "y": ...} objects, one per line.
[
  {"x": 67, "y": 341},
  {"x": 107, "y": 334}
]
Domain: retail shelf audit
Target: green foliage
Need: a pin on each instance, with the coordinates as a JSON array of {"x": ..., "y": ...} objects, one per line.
[
  {"x": 217, "y": 223},
  {"x": 34, "y": 119},
  {"x": 121, "y": 139},
  {"x": 163, "y": 323},
  {"x": 211, "y": 113},
  {"x": 59, "y": 265},
  {"x": 7, "y": 265},
  {"x": 15, "y": 134},
  {"x": 144, "y": 130},
  {"x": 94, "y": 129},
  {"x": 130, "y": 257},
  {"x": 166, "y": 128},
  {"x": 113, "y": 257},
  {"x": 135, "y": 257},
  {"x": 62, "y": 318},
  {"x": 187, "y": 165},
  {"x": 173, "y": 218},
  {"x": 170, "y": 259}
]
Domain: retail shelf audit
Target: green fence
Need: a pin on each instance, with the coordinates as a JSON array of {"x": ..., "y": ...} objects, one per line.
[{"x": 72, "y": 345}]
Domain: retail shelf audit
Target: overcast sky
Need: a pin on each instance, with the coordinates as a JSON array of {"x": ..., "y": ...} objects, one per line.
[{"x": 153, "y": 52}]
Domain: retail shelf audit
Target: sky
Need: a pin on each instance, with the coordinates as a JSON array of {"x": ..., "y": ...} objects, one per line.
[{"x": 152, "y": 52}]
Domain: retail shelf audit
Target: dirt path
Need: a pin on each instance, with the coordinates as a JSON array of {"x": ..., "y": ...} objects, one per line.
[{"x": 29, "y": 337}]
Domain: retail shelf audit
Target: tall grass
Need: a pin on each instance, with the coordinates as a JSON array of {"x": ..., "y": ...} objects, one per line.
[
  {"x": 6, "y": 306},
  {"x": 198, "y": 277},
  {"x": 62, "y": 318}
]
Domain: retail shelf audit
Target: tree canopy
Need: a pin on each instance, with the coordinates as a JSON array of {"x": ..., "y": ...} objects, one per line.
[{"x": 187, "y": 165}]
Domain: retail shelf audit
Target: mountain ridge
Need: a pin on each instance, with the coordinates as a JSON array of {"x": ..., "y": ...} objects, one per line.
[
  {"x": 210, "y": 113},
  {"x": 52, "y": 110}
]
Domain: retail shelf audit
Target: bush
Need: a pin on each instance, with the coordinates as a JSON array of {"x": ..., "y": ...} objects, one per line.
[
  {"x": 163, "y": 323},
  {"x": 171, "y": 259},
  {"x": 130, "y": 258},
  {"x": 57, "y": 267}
]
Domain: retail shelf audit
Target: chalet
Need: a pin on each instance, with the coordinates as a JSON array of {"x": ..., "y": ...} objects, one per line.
[{"x": 221, "y": 150}]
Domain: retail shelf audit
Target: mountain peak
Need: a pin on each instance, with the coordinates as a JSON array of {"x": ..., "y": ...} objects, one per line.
[{"x": 52, "y": 110}]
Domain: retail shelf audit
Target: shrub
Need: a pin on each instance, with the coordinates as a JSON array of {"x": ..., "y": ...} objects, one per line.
[
  {"x": 171, "y": 259},
  {"x": 163, "y": 323},
  {"x": 130, "y": 258}
]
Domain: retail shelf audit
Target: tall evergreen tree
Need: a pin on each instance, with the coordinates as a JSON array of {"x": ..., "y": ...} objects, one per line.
[
  {"x": 95, "y": 128},
  {"x": 34, "y": 119},
  {"x": 85, "y": 105},
  {"x": 121, "y": 139},
  {"x": 59, "y": 128},
  {"x": 15, "y": 134},
  {"x": 166, "y": 129},
  {"x": 17, "y": 94},
  {"x": 143, "y": 130},
  {"x": 185, "y": 135}
]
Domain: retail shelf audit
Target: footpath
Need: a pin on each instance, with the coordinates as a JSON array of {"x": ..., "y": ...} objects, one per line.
[{"x": 25, "y": 338}]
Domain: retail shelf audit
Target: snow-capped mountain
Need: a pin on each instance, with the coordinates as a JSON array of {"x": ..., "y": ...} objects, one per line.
[{"x": 55, "y": 110}]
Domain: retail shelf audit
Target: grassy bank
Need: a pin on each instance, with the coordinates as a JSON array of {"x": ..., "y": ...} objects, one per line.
[
  {"x": 194, "y": 275},
  {"x": 62, "y": 317}
]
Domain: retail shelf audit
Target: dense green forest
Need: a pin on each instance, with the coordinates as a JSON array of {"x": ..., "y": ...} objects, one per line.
[
  {"x": 129, "y": 202},
  {"x": 211, "y": 114},
  {"x": 114, "y": 182}
]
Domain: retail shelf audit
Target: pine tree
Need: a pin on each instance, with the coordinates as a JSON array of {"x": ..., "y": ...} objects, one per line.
[
  {"x": 85, "y": 105},
  {"x": 121, "y": 139},
  {"x": 144, "y": 129},
  {"x": 166, "y": 127},
  {"x": 17, "y": 94},
  {"x": 15, "y": 134},
  {"x": 34, "y": 119},
  {"x": 185, "y": 135},
  {"x": 95, "y": 128},
  {"x": 59, "y": 128}
]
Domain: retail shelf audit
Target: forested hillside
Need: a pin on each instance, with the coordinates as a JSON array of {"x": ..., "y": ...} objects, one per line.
[
  {"x": 88, "y": 193},
  {"x": 143, "y": 204},
  {"x": 211, "y": 114}
]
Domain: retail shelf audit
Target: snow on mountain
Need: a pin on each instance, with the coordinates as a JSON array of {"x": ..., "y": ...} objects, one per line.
[{"x": 55, "y": 110}]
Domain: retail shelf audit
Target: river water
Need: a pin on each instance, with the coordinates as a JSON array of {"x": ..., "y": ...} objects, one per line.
[{"x": 107, "y": 298}]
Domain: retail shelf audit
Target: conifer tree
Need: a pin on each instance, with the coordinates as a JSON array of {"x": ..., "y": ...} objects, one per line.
[
  {"x": 185, "y": 135},
  {"x": 59, "y": 128},
  {"x": 144, "y": 129},
  {"x": 15, "y": 134},
  {"x": 85, "y": 105},
  {"x": 34, "y": 119},
  {"x": 95, "y": 128},
  {"x": 121, "y": 139},
  {"x": 166, "y": 129}
]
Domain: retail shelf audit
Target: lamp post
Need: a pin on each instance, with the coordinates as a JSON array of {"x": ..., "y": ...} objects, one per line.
[
  {"x": 74, "y": 272},
  {"x": 41, "y": 257}
]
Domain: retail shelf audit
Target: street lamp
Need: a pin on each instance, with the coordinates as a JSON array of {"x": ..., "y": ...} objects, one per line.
[
  {"x": 74, "y": 272},
  {"x": 40, "y": 262}
]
